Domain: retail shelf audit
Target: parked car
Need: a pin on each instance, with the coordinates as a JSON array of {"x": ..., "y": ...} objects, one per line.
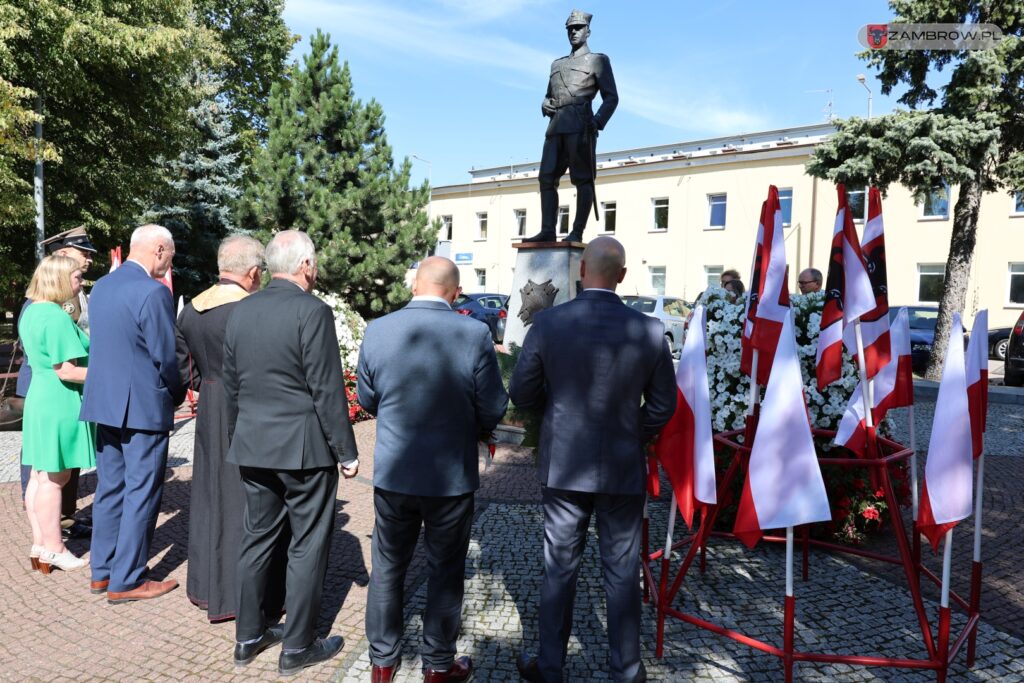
[
  {"x": 671, "y": 311},
  {"x": 998, "y": 339},
  {"x": 487, "y": 308},
  {"x": 922, "y": 333},
  {"x": 1013, "y": 372}
]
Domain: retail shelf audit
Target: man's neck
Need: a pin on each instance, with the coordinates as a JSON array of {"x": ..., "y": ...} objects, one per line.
[
  {"x": 226, "y": 278},
  {"x": 140, "y": 264},
  {"x": 292, "y": 279},
  {"x": 582, "y": 49}
]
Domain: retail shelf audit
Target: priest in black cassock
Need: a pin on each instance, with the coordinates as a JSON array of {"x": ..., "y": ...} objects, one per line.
[{"x": 217, "y": 498}]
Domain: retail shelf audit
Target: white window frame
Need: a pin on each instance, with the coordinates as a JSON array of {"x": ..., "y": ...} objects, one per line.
[
  {"x": 1009, "y": 281},
  {"x": 917, "y": 289},
  {"x": 715, "y": 271},
  {"x": 654, "y": 213},
  {"x": 1014, "y": 212},
  {"x": 604, "y": 216},
  {"x": 481, "y": 278},
  {"x": 562, "y": 222},
  {"x": 786, "y": 223},
  {"x": 519, "y": 216},
  {"x": 446, "y": 228},
  {"x": 664, "y": 276},
  {"x": 481, "y": 226},
  {"x": 945, "y": 217},
  {"x": 712, "y": 200},
  {"x": 863, "y": 191}
]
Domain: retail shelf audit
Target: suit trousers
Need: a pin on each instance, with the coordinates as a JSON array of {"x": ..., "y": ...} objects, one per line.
[
  {"x": 446, "y": 525},
  {"x": 130, "y": 466},
  {"x": 275, "y": 499},
  {"x": 566, "y": 519}
]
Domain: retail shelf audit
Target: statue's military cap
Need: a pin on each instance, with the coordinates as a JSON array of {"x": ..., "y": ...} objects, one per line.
[{"x": 578, "y": 18}]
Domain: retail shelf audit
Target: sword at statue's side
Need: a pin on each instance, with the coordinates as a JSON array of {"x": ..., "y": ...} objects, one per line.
[{"x": 592, "y": 132}]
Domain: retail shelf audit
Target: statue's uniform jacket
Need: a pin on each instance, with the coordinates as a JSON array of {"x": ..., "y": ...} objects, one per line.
[{"x": 574, "y": 82}]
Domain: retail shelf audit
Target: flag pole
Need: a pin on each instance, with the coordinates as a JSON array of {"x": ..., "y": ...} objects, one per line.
[
  {"x": 663, "y": 580},
  {"x": 787, "y": 627},
  {"x": 869, "y": 419},
  {"x": 943, "y": 651},
  {"x": 644, "y": 546},
  {"x": 755, "y": 395},
  {"x": 975, "y": 604},
  {"x": 915, "y": 495}
]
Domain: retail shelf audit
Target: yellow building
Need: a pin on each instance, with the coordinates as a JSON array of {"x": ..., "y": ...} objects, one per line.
[{"x": 686, "y": 211}]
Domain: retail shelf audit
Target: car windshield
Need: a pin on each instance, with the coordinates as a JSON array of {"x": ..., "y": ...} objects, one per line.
[{"x": 640, "y": 303}]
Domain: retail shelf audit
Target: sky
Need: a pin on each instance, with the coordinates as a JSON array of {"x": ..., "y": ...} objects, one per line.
[{"x": 461, "y": 81}]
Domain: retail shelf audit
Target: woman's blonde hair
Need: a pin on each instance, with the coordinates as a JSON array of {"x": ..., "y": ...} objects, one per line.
[{"x": 52, "y": 280}]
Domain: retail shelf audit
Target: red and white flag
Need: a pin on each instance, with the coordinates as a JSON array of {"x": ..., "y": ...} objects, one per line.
[
  {"x": 768, "y": 297},
  {"x": 684, "y": 446},
  {"x": 115, "y": 258},
  {"x": 894, "y": 388},
  {"x": 848, "y": 294},
  {"x": 875, "y": 323},
  {"x": 977, "y": 379},
  {"x": 167, "y": 281},
  {"x": 948, "y": 472},
  {"x": 784, "y": 486}
]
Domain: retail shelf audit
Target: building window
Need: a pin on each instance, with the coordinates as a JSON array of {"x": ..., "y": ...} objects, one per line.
[
  {"x": 657, "y": 279},
  {"x": 608, "y": 213},
  {"x": 936, "y": 203},
  {"x": 786, "y": 204},
  {"x": 446, "y": 228},
  {"x": 930, "y": 279},
  {"x": 1018, "y": 203},
  {"x": 716, "y": 211},
  {"x": 520, "y": 222},
  {"x": 563, "y": 220},
  {"x": 481, "y": 225},
  {"x": 857, "y": 201},
  {"x": 481, "y": 278},
  {"x": 1017, "y": 283},
  {"x": 660, "y": 213},
  {"x": 714, "y": 275}
]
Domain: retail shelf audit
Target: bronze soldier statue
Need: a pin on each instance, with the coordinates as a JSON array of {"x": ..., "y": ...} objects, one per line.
[{"x": 572, "y": 132}]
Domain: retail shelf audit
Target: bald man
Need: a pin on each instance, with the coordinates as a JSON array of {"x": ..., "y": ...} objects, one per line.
[
  {"x": 587, "y": 363},
  {"x": 809, "y": 281},
  {"x": 431, "y": 378}
]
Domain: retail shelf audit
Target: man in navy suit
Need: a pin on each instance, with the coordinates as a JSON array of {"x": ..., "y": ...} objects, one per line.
[
  {"x": 587, "y": 364},
  {"x": 131, "y": 391},
  {"x": 431, "y": 378}
]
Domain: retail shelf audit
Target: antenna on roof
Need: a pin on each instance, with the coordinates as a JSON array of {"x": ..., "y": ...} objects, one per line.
[{"x": 828, "y": 109}]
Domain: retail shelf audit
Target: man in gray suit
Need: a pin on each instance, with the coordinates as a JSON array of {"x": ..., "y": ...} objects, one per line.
[
  {"x": 587, "y": 364},
  {"x": 288, "y": 431},
  {"x": 431, "y": 378}
]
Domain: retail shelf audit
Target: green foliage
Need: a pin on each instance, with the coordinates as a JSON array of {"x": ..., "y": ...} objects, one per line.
[
  {"x": 528, "y": 419},
  {"x": 327, "y": 169},
  {"x": 203, "y": 183}
]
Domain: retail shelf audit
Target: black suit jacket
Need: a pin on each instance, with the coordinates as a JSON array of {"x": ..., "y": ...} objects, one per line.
[
  {"x": 283, "y": 383},
  {"x": 588, "y": 363}
]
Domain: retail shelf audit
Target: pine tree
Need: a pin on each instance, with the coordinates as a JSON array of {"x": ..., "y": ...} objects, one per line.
[
  {"x": 974, "y": 137},
  {"x": 203, "y": 185},
  {"x": 328, "y": 170}
]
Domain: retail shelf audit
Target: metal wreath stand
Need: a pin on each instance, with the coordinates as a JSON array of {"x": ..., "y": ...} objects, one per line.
[{"x": 886, "y": 453}]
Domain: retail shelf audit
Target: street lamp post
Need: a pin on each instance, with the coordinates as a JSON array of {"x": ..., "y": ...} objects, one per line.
[
  {"x": 430, "y": 189},
  {"x": 863, "y": 81}
]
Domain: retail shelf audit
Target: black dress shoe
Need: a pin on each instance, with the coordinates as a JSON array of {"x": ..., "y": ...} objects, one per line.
[
  {"x": 76, "y": 530},
  {"x": 246, "y": 652},
  {"x": 528, "y": 669},
  {"x": 542, "y": 236},
  {"x": 321, "y": 650},
  {"x": 574, "y": 236}
]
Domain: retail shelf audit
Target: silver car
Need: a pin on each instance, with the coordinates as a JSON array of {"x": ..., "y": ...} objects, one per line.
[{"x": 672, "y": 312}]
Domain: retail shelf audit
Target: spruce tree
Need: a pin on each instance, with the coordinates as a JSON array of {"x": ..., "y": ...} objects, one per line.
[
  {"x": 328, "y": 170},
  {"x": 203, "y": 185}
]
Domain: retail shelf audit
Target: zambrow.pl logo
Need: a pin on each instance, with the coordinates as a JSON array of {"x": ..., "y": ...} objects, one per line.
[
  {"x": 929, "y": 36},
  {"x": 877, "y": 35}
]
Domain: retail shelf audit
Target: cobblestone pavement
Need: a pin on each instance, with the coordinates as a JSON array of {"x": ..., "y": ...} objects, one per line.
[{"x": 51, "y": 628}]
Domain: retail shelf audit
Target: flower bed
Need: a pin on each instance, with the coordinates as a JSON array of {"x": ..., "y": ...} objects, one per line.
[{"x": 349, "y": 326}]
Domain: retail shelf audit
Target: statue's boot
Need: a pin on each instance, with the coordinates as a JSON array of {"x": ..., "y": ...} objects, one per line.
[
  {"x": 542, "y": 236},
  {"x": 584, "y": 204},
  {"x": 548, "y": 216}
]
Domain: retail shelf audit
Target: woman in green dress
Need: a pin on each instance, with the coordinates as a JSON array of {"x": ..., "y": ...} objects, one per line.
[{"x": 53, "y": 438}]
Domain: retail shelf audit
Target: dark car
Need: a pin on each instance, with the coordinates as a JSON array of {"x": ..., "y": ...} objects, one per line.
[
  {"x": 487, "y": 308},
  {"x": 1014, "y": 365},
  {"x": 922, "y": 333},
  {"x": 998, "y": 340}
]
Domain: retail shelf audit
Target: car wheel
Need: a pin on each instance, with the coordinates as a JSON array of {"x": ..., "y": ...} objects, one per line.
[{"x": 999, "y": 349}]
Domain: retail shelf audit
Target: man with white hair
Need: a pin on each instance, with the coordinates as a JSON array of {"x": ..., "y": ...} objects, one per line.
[
  {"x": 131, "y": 392},
  {"x": 288, "y": 429}
]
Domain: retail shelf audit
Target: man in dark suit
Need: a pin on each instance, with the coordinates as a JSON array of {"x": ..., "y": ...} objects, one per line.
[
  {"x": 587, "y": 364},
  {"x": 431, "y": 378},
  {"x": 131, "y": 391},
  {"x": 288, "y": 431}
]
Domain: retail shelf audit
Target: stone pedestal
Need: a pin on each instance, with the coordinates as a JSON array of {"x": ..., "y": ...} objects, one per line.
[{"x": 547, "y": 274}]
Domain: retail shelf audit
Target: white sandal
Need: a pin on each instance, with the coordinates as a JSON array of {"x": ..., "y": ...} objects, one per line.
[{"x": 65, "y": 561}]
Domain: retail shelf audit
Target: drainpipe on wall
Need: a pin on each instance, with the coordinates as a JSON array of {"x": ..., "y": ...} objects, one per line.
[{"x": 814, "y": 220}]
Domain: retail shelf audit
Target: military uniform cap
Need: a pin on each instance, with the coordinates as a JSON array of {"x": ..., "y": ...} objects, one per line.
[
  {"x": 75, "y": 237},
  {"x": 578, "y": 18}
]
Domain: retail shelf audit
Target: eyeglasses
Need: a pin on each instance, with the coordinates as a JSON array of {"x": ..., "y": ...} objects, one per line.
[{"x": 807, "y": 282}]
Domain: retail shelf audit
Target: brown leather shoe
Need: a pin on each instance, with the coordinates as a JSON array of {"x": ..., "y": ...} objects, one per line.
[
  {"x": 99, "y": 587},
  {"x": 461, "y": 670},
  {"x": 382, "y": 674},
  {"x": 146, "y": 591}
]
